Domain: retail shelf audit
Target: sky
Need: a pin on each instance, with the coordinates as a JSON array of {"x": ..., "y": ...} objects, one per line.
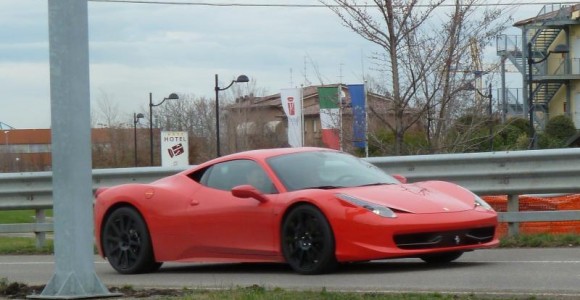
[{"x": 136, "y": 49}]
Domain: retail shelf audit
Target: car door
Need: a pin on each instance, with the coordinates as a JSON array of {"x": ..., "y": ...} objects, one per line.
[{"x": 227, "y": 226}]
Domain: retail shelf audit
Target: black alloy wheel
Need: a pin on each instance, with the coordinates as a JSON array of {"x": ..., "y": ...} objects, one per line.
[
  {"x": 307, "y": 241},
  {"x": 126, "y": 242},
  {"x": 441, "y": 258}
]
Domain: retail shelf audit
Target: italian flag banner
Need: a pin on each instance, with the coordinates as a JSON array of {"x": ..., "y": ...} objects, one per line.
[{"x": 329, "y": 98}]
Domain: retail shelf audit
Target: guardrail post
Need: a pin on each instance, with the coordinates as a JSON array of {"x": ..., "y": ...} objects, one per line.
[
  {"x": 513, "y": 205},
  {"x": 40, "y": 235}
]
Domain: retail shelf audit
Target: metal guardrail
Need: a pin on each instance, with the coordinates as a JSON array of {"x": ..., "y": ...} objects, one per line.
[
  {"x": 492, "y": 173},
  {"x": 33, "y": 190},
  {"x": 510, "y": 173}
]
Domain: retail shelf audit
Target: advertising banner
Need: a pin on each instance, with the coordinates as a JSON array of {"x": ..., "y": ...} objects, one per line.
[
  {"x": 174, "y": 149},
  {"x": 292, "y": 105}
]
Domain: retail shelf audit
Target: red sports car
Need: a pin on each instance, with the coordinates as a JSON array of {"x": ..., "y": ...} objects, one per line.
[{"x": 311, "y": 208}]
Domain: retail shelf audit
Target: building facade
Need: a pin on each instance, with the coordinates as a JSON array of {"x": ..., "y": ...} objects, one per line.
[
  {"x": 29, "y": 150},
  {"x": 547, "y": 54},
  {"x": 261, "y": 121}
]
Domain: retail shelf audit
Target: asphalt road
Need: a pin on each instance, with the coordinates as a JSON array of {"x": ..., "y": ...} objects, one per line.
[{"x": 553, "y": 272}]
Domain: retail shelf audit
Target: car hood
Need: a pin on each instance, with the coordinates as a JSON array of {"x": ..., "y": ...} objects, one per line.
[{"x": 418, "y": 198}]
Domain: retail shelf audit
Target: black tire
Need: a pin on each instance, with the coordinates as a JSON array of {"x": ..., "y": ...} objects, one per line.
[
  {"x": 441, "y": 258},
  {"x": 127, "y": 244},
  {"x": 307, "y": 241}
]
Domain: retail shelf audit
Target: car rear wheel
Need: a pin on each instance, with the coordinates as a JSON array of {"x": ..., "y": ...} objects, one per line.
[
  {"x": 441, "y": 258},
  {"x": 126, "y": 242},
  {"x": 308, "y": 241}
]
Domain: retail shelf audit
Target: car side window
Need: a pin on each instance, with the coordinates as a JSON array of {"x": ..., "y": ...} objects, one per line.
[
  {"x": 226, "y": 175},
  {"x": 256, "y": 177}
]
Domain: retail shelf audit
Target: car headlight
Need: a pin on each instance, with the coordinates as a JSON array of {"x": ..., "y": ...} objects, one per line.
[
  {"x": 481, "y": 203},
  {"x": 380, "y": 210}
]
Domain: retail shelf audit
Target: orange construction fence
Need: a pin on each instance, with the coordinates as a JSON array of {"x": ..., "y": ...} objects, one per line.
[{"x": 529, "y": 203}]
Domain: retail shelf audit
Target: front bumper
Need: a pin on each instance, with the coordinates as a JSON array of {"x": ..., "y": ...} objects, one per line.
[{"x": 366, "y": 236}]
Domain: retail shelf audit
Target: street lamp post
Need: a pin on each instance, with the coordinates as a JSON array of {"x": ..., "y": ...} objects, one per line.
[
  {"x": 241, "y": 78},
  {"x": 172, "y": 96},
  {"x": 136, "y": 118},
  {"x": 561, "y": 48}
]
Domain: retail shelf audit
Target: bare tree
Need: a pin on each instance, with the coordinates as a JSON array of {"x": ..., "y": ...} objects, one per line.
[
  {"x": 422, "y": 49},
  {"x": 196, "y": 116},
  {"x": 106, "y": 112},
  {"x": 112, "y": 145}
]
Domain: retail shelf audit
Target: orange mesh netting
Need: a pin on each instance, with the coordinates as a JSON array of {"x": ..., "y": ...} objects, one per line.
[{"x": 530, "y": 203}]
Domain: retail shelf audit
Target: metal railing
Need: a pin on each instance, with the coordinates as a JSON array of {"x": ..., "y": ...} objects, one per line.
[
  {"x": 33, "y": 190},
  {"x": 511, "y": 173},
  {"x": 500, "y": 173}
]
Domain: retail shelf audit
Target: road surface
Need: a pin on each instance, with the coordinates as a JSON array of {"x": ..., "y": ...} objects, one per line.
[{"x": 553, "y": 272}]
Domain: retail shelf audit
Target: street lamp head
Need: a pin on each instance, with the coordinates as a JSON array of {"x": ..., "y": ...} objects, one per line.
[
  {"x": 242, "y": 78},
  {"x": 172, "y": 96},
  {"x": 140, "y": 116}
]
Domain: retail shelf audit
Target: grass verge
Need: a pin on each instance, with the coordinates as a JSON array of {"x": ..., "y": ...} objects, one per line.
[
  {"x": 23, "y": 246},
  {"x": 541, "y": 240},
  {"x": 20, "y": 216}
]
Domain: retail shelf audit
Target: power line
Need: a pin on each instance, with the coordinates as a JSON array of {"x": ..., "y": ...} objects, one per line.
[{"x": 309, "y": 5}]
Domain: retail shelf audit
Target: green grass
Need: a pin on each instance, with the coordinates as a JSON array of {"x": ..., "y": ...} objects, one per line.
[
  {"x": 20, "y": 216},
  {"x": 23, "y": 245},
  {"x": 541, "y": 240}
]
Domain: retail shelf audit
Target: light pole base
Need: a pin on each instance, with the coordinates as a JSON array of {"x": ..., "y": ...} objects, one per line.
[{"x": 70, "y": 286}]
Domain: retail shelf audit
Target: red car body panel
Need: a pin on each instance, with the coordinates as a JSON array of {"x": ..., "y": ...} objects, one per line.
[{"x": 191, "y": 222}]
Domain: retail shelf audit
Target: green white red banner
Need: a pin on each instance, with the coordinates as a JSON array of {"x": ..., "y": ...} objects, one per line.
[{"x": 329, "y": 100}]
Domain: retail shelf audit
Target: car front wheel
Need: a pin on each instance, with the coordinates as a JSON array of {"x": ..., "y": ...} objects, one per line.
[
  {"x": 126, "y": 242},
  {"x": 308, "y": 241}
]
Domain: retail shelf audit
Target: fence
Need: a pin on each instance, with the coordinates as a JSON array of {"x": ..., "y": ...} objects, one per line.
[
  {"x": 34, "y": 191},
  {"x": 493, "y": 173}
]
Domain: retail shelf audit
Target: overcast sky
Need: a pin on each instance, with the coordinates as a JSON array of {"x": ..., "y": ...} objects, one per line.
[{"x": 136, "y": 49}]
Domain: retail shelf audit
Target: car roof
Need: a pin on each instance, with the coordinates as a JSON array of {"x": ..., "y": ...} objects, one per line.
[
  {"x": 260, "y": 154},
  {"x": 265, "y": 153}
]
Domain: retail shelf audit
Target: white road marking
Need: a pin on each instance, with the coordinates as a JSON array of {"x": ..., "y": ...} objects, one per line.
[
  {"x": 527, "y": 261},
  {"x": 39, "y": 263}
]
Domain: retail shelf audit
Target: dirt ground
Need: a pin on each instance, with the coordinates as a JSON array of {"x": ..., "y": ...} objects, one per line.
[{"x": 17, "y": 290}]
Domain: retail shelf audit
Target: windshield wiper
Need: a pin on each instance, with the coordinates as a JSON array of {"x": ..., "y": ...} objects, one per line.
[{"x": 374, "y": 184}]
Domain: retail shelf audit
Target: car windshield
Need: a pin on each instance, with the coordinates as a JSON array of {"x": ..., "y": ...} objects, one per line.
[{"x": 326, "y": 170}]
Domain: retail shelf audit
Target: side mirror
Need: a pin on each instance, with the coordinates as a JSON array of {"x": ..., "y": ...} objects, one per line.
[
  {"x": 400, "y": 178},
  {"x": 248, "y": 191}
]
